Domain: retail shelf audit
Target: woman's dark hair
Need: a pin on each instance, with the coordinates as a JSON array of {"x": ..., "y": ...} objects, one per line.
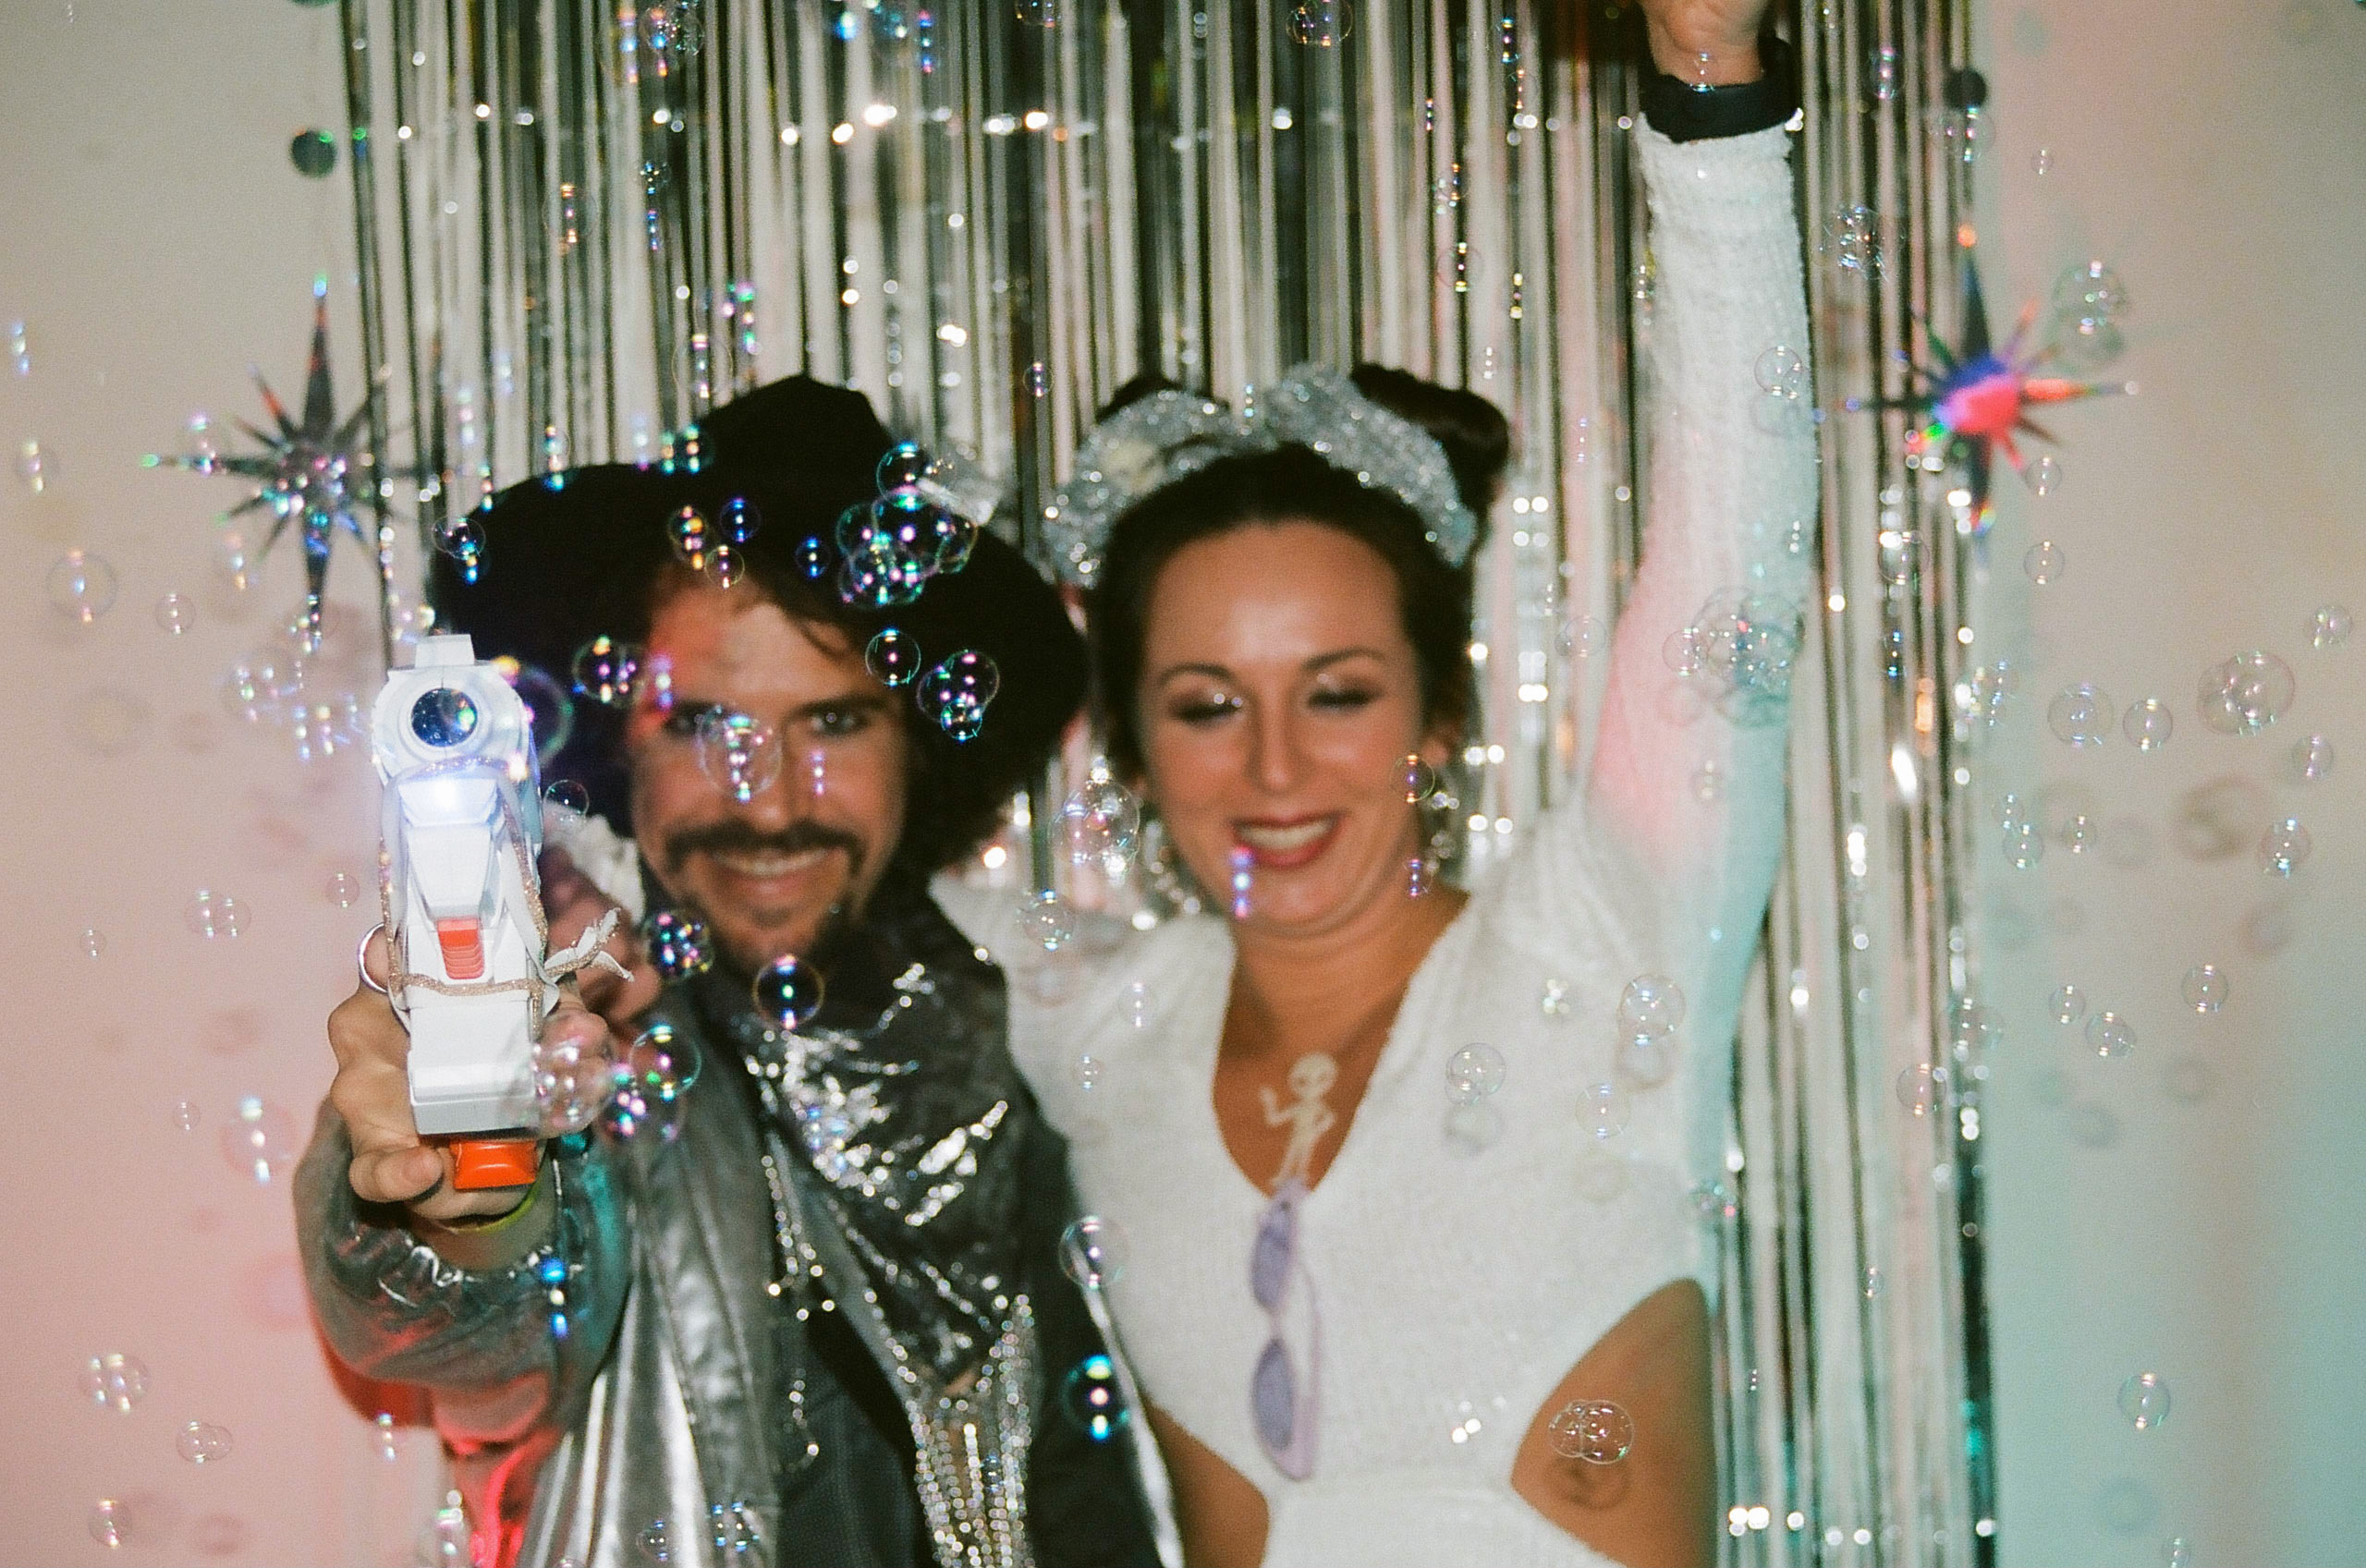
[{"x": 1294, "y": 484}]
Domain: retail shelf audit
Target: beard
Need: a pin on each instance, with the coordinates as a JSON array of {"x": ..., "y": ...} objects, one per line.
[{"x": 732, "y": 836}]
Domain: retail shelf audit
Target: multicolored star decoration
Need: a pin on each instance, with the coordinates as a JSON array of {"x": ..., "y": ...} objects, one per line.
[
  {"x": 1978, "y": 398},
  {"x": 306, "y": 472}
]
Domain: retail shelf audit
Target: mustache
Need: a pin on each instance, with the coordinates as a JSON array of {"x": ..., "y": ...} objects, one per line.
[{"x": 733, "y": 837}]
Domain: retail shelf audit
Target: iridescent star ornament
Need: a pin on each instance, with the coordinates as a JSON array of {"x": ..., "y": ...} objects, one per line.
[
  {"x": 307, "y": 472},
  {"x": 1977, "y": 400}
]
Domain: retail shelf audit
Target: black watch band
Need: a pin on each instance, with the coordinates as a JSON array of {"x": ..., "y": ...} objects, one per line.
[{"x": 1684, "y": 112}]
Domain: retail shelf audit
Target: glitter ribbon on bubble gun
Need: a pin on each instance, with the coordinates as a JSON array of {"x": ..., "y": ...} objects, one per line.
[{"x": 461, "y": 828}]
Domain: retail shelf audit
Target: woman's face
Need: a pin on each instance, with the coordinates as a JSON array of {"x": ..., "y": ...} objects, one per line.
[{"x": 1280, "y": 699}]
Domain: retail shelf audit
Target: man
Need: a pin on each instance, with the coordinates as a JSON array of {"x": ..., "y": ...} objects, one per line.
[{"x": 815, "y": 1313}]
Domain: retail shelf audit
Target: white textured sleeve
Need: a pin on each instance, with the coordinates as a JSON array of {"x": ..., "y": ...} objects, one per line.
[{"x": 1684, "y": 804}]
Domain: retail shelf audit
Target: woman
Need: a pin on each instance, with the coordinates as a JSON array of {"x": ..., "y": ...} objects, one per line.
[{"x": 1409, "y": 1271}]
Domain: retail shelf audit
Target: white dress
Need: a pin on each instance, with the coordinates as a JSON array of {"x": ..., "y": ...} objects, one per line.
[{"x": 1455, "y": 1285}]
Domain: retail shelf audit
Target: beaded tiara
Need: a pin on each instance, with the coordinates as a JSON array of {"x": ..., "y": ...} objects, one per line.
[{"x": 1148, "y": 445}]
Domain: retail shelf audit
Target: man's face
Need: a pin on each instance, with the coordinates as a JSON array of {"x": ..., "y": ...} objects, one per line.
[{"x": 770, "y": 872}]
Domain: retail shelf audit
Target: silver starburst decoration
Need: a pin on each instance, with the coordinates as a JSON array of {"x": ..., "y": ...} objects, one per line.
[{"x": 306, "y": 473}]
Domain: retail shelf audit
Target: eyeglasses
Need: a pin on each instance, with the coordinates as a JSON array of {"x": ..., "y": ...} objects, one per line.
[{"x": 1282, "y": 1401}]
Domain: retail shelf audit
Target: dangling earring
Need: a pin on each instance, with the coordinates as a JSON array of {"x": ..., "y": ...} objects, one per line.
[{"x": 1173, "y": 892}]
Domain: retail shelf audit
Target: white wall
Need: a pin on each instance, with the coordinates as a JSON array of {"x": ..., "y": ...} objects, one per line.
[
  {"x": 2191, "y": 1208},
  {"x": 156, "y": 241}
]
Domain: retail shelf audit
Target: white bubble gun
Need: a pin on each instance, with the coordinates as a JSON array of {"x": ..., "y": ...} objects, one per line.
[{"x": 453, "y": 745}]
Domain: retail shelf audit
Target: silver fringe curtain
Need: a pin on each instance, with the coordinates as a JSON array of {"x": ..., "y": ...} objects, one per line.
[{"x": 580, "y": 226}]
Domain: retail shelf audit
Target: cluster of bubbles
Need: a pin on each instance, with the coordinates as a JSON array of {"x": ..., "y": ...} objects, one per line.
[
  {"x": 115, "y": 1382},
  {"x": 919, "y": 526},
  {"x": 1592, "y": 1430},
  {"x": 2245, "y": 693},
  {"x": 957, "y": 692},
  {"x": 649, "y": 1084},
  {"x": 214, "y": 916},
  {"x": 1744, "y": 646},
  {"x": 677, "y": 943},
  {"x": 715, "y": 548},
  {"x": 671, "y": 30},
  {"x": 306, "y": 683}
]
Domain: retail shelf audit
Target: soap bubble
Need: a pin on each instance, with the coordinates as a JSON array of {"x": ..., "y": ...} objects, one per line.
[
  {"x": 2284, "y": 847},
  {"x": 2207, "y": 987},
  {"x": 1922, "y": 1089},
  {"x": 214, "y": 915},
  {"x": 1320, "y": 24},
  {"x": 1601, "y": 1110},
  {"x": 1137, "y": 1005},
  {"x": 186, "y": 1115},
  {"x": 1781, "y": 372},
  {"x": 82, "y": 586},
  {"x": 2329, "y": 627},
  {"x": 687, "y": 532},
  {"x": 1852, "y": 237},
  {"x": 1708, "y": 783},
  {"x": 2044, "y": 562},
  {"x": 2024, "y": 844},
  {"x": 2178, "y": 1553},
  {"x": 2145, "y": 1400},
  {"x": 2111, "y": 1035},
  {"x": 1093, "y": 1251},
  {"x": 2311, "y": 759},
  {"x": 260, "y": 1141},
  {"x": 1087, "y": 1071},
  {"x": 2079, "y": 834},
  {"x": 1046, "y": 920},
  {"x": 677, "y": 943},
  {"x": 957, "y": 692},
  {"x": 901, "y": 468},
  {"x": 738, "y": 520},
  {"x": 741, "y": 756},
  {"x": 1473, "y": 1073},
  {"x": 203, "y": 1442},
  {"x": 176, "y": 613},
  {"x": 725, "y": 565},
  {"x": 569, "y": 1093},
  {"x": 894, "y": 657},
  {"x": 787, "y": 993},
  {"x": 1583, "y": 638},
  {"x": 567, "y": 797},
  {"x": 1099, "y": 825},
  {"x": 1651, "y": 1005},
  {"x": 1591, "y": 1429},
  {"x": 115, "y": 1382},
  {"x": 463, "y": 540},
  {"x": 1553, "y": 1001},
  {"x": 1681, "y": 652},
  {"x": 110, "y": 1521},
  {"x": 656, "y": 1541},
  {"x": 812, "y": 558},
  {"x": 657, "y": 1069},
  {"x": 2045, "y": 476},
  {"x": 2081, "y": 715},
  {"x": 2067, "y": 1004},
  {"x": 92, "y": 942},
  {"x": 603, "y": 669},
  {"x": 673, "y": 29},
  {"x": 2245, "y": 694},
  {"x": 733, "y": 1525},
  {"x": 2089, "y": 293},
  {"x": 2148, "y": 724},
  {"x": 1418, "y": 778},
  {"x": 1037, "y": 13},
  {"x": 1092, "y": 1399}
]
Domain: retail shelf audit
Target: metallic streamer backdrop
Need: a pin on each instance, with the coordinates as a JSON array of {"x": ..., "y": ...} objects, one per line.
[{"x": 580, "y": 226}]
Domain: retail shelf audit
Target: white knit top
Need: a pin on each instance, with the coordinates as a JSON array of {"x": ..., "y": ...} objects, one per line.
[{"x": 1457, "y": 1277}]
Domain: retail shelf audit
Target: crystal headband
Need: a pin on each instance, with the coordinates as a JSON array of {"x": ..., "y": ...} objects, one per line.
[{"x": 1148, "y": 445}]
